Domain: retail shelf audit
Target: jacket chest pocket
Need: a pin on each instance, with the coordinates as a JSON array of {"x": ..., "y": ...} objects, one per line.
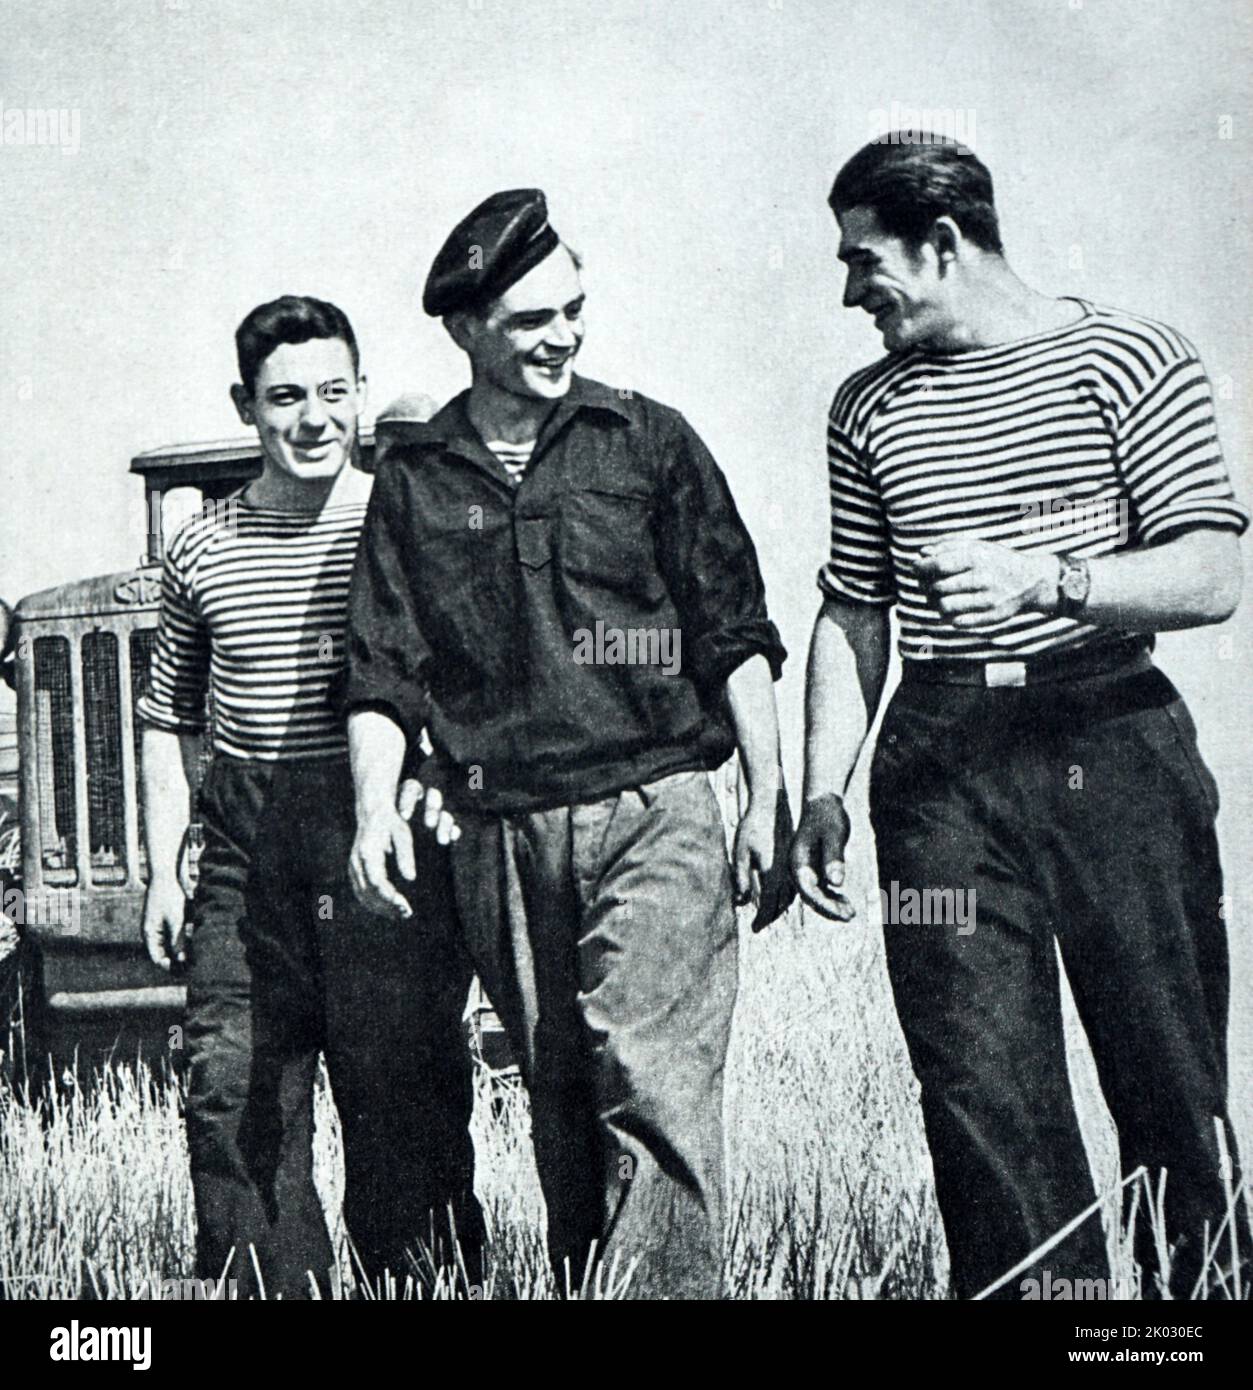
[
  {"x": 533, "y": 537},
  {"x": 606, "y": 540}
]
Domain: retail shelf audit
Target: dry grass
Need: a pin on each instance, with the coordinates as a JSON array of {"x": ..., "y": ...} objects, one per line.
[
  {"x": 10, "y": 844},
  {"x": 831, "y": 1187}
]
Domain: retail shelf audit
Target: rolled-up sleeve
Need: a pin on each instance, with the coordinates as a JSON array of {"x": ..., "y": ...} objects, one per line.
[
  {"x": 859, "y": 566},
  {"x": 178, "y": 674},
  {"x": 710, "y": 566},
  {"x": 387, "y": 657},
  {"x": 1169, "y": 456}
]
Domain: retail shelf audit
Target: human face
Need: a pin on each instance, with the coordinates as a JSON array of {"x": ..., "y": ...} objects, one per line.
[
  {"x": 305, "y": 406},
  {"x": 526, "y": 342},
  {"x": 901, "y": 288}
]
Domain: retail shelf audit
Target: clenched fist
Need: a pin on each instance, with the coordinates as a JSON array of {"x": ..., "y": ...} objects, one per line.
[{"x": 978, "y": 583}]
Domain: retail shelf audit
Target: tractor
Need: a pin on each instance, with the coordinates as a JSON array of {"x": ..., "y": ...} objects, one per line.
[{"x": 76, "y": 987}]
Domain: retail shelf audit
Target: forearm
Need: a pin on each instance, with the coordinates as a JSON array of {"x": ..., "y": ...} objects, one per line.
[
  {"x": 1185, "y": 583},
  {"x": 167, "y": 800},
  {"x": 849, "y": 650},
  {"x": 376, "y": 750},
  {"x": 750, "y": 697}
]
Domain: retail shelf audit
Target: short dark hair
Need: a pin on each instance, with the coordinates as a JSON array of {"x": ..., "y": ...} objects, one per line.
[
  {"x": 913, "y": 179},
  {"x": 292, "y": 318}
]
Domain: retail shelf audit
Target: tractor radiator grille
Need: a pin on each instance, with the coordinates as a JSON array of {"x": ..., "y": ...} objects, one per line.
[
  {"x": 54, "y": 742},
  {"x": 102, "y": 726},
  {"x": 143, "y": 640}
]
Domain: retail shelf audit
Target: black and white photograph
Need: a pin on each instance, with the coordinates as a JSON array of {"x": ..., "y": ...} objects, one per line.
[{"x": 624, "y": 670}]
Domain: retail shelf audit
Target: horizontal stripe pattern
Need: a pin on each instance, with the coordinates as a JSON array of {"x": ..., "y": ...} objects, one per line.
[
  {"x": 514, "y": 458},
  {"x": 1089, "y": 439},
  {"x": 254, "y": 605}
]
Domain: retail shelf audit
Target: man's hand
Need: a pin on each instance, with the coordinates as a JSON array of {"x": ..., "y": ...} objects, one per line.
[
  {"x": 434, "y": 817},
  {"x": 977, "y": 583},
  {"x": 761, "y": 841},
  {"x": 386, "y": 832},
  {"x": 165, "y": 907},
  {"x": 389, "y": 832},
  {"x": 818, "y": 856}
]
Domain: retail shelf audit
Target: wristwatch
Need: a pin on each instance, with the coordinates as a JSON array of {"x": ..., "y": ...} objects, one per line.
[{"x": 1073, "y": 584}]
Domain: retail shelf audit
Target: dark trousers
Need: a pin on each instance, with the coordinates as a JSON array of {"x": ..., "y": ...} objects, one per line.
[
  {"x": 286, "y": 964},
  {"x": 605, "y": 936},
  {"x": 1080, "y": 813}
]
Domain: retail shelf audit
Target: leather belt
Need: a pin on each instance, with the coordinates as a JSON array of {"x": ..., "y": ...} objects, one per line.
[{"x": 1098, "y": 659}]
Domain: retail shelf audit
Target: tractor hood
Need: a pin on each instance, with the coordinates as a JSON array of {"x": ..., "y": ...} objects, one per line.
[{"x": 123, "y": 592}]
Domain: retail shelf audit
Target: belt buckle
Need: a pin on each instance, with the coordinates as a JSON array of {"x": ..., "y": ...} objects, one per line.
[{"x": 1004, "y": 674}]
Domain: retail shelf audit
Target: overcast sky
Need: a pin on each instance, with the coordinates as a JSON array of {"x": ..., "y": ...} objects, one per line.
[{"x": 230, "y": 152}]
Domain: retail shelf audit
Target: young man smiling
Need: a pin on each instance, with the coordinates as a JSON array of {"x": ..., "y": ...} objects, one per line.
[
  {"x": 1032, "y": 753},
  {"x": 284, "y": 963},
  {"x": 591, "y": 872}
]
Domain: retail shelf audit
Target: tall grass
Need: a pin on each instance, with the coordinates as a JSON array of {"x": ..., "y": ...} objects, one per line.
[
  {"x": 830, "y": 1183},
  {"x": 10, "y": 843}
]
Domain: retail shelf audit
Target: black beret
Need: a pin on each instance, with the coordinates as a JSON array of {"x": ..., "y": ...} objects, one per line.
[{"x": 489, "y": 250}]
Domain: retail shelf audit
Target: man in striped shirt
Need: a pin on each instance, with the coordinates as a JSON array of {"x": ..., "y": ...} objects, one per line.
[
  {"x": 1036, "y": 485},
  {"x": 284, "y": 963}
]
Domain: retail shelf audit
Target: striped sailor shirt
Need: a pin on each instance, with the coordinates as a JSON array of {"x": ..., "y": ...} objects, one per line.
[
  {"x": 1088, "y": 439},
  {"x": 515, "y": 459},
  {"x": 254, "y": 603}
]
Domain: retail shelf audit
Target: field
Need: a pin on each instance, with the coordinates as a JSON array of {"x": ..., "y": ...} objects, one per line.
[{"x": 831, "y": 1188}]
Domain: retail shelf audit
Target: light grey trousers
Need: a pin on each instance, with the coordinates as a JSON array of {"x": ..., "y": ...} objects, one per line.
[{"x": 606, "y": 937}]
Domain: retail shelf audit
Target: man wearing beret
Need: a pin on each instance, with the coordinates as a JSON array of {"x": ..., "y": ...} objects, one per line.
[{"x": 554, "y": 581}]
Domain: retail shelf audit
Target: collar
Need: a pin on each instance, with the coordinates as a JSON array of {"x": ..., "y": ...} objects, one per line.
[
  {"x": 586, "y": 394},
  {"x": 451, "y": 427}
]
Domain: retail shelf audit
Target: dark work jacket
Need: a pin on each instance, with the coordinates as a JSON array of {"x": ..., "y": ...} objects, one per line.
[{"x": 475, "y": 603}]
